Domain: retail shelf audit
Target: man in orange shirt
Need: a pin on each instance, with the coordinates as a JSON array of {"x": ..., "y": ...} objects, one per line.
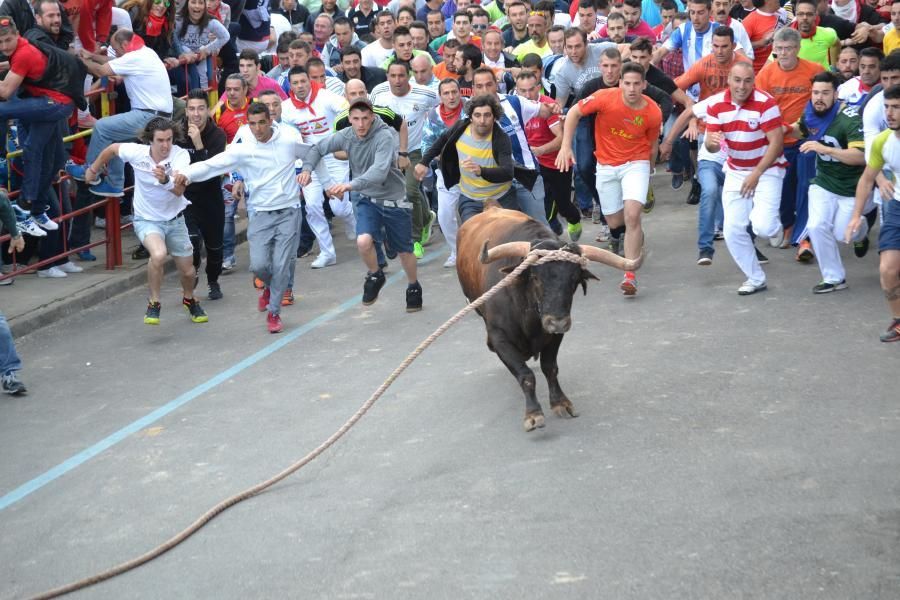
[
  {"x": 761, "y": 25},
  {"x": 789, "y": 80},
  {"x": 711, "y": 71},
  {"x": 626, "y": 131}
]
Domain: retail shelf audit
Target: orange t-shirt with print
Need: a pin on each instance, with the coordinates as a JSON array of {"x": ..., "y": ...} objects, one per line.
[
  {"x": 791, "y": 89},
  {"x": 709, "y": 74},
  {"x": 622, "y": 134}
]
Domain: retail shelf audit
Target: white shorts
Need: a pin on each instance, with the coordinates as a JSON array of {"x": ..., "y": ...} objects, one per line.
[{"x": 629, "y": 181}]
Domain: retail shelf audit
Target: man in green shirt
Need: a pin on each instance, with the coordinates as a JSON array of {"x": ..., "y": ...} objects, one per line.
[
  {"x": 818, "y": 44},
  {"x": 538, "y": 44}
]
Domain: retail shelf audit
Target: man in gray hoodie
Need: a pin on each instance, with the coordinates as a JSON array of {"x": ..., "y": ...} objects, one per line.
[{"x": 372, "y": 148}]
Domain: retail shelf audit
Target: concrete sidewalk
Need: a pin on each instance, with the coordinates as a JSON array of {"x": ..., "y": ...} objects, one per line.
[{"x": 33, "y": 302}]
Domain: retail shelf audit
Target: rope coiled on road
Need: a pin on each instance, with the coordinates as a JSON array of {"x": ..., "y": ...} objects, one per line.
[{"x": 535, "y": 257}]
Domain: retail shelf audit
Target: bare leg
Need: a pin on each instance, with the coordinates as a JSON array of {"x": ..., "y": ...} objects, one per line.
[
  {"x": 366, "y": 248},
  {"x": 890, "y": 280},
  {"x": 186, "y": 272},
  {"x": 408, "y": 261},
  {"x": 156, "y": 246},
  {"x": 634, "y": 233}
]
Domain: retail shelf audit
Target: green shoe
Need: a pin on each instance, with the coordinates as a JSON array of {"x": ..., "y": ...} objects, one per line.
[
  {"x": 151, "y": 317},
  {"x": 574, "y": 231},
  {"x": 418, "y": 250},
  {"x": 427, "y": 230},
  {"x": 197, "y": 314},
  {"x": 651, "y": 201}
]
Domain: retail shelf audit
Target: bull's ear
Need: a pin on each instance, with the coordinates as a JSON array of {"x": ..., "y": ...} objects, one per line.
[{"x": 585, "y": 276}]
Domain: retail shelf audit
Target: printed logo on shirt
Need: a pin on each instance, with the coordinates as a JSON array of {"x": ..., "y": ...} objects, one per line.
[
  {"x": 753, "y": 123},
  {"x": 638, "y": 121}
]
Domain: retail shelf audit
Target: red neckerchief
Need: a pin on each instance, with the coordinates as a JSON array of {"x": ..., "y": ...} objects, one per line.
[
  {"x": 450, "y": 117},
  {"x": 216, "y": 14},
  {"x": 863, "y": 87},
  {"x": 155, "y": 25},
  {"x": 314, "y": 88},
  {"x": 136, "y": 43},
  {"x": 811, "y": 33}
]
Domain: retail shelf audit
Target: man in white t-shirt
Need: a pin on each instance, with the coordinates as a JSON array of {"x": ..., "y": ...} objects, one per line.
[
  {"x": 374, "y": 54},
  {"x": 158, "y": 209},
  {"x": 141, "y": 70},
  {"x": 312, "y": 109}
]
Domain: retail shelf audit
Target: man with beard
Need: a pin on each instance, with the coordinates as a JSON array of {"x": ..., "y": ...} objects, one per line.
[
  {"x": 538, "y": 44},
  {"x": 834, "y": 133},
  {"x": 721, "y": 14},
  {"x": 819, "y": 44},
  {"x": 856, "y": 90},
  {"x": 466, "y": 61},
  {"x": 847, "y": 65}
]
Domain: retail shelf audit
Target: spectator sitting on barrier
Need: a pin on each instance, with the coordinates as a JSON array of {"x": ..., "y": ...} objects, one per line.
[
  {"x": 200, "y": 36},
  {"x": 154, "y": 22},
  {"x": 142, "y": 71}
]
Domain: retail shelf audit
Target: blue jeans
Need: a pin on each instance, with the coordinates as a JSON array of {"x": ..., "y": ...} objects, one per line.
[
  {"x": 712, "y": 178},
  {"x": 377, "y": 237},
  {"x": 372, "y": 218},
  {"x": 9, "y": 359},
  {"x": 531, "y": 202},
  {"x": 585, "y": 162},
  {"x": 680, "y": 160},
  {"x": 39, "y": 122},
  {"x": 115, "y": 129},
  {"x": 788, "y": 206},
  {"x": 228, "y": 238}
]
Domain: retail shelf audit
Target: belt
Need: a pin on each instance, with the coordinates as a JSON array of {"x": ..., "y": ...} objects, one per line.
[
  {"x": 158, "y": 113},
  {"x": 179, "y": 215}
]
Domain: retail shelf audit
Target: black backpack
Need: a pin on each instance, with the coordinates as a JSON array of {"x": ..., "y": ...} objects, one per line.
[{"x": 65, "y": 73}]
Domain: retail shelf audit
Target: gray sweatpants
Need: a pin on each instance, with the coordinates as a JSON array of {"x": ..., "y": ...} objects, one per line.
[{"x": 273, "y": 242}]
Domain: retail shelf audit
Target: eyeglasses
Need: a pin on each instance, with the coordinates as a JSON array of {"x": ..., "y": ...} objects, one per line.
[
  {"x": 480, "y": 26},
  {"x": 783, "y": 49}
]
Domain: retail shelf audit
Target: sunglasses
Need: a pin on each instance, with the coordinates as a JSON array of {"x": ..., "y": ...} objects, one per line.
[
  {"x": 167, "y": 3},
  {"x": 480, "y": 26}
]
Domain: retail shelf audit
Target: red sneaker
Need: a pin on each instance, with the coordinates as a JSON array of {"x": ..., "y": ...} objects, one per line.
[
  {"x": 273, "y": 321},
  {"x": 288, "y": 298},
  {"x": 263, "y": 304},
  {"x": 628, "y": 285}
]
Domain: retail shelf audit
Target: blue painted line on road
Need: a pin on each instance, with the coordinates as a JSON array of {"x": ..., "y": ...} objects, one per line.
[{"x": 87, "y": 454}]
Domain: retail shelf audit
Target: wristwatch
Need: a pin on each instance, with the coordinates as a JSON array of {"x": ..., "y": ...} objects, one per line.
[{"x": 405, "y": 154}]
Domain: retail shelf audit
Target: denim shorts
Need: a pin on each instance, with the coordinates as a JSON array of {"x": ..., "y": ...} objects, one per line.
[
  {"x": 889, "y": 237},
  {"x": 174, "y": 233},
  {"x": 397, "y": 223}
]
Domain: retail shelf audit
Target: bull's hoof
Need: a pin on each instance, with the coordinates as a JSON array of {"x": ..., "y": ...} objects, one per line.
[
  {"x": 533, "y": 421},
  {"x": 564, "y": 408}
]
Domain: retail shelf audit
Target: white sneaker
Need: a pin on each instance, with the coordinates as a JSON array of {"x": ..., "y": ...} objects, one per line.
[
  {"x": 125, "y": 220},
  {"x": 778, "y": 239},
  {"x": 70, "y": 267},
  {"x": 602, "y": 233},
  {"x": 45, "y": 222},
  {"x": 748, "y": 287},
  {"x": 100, "y": 223},
  {"x": 229, "y": 264},
  {"x": 29, "y": 227},
  {"x": 323, "y": 261},
  {"x": 450, "y": 263},
  {"x": 8, "y": 281},
  {"x": 52, "y": 272}
]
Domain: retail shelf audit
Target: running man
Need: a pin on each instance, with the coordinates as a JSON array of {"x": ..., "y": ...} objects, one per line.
[
  {"x": 885, "y": 154},
  {"x": 158, "y": 206},
  {"x": 626, "y": 132}
]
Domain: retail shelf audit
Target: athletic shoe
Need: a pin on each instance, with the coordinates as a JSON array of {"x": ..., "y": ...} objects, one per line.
[
  {"x": 140, "y": 253},
  {"x": 45, "y": 222},
  {"x": 555, "y": 226},
  {"x": 229, "y": 264},
  {"x": 151, "y": 317},
  {"x": 197, "y": 314},
  {"x": 693, "y": 198},
  {"x": 273, "y": 322},
  {"x": 705, "y": 258},
  {"x": 614, "y": 244},
  {"x": 287, "y": 298},
  {"x": 778, "y": 239},
  {"x": 99, "y": 223},
  {"x": 70, "y": 267},
  {"x": 29, "y": 227},
  {"x": 628, "y": 285},
  {"x": 748, "y": 287},
  {"x": 804, "y": 251},
  {"x": 762, "y": 258},
  {"x": 595, "y": 215},
  {"x": 7, "y": 281},
  {"x": 650, "y": 202},
  {"x": 677, "y": 180},
  {"x": 587, "y": 213},
  {"x": 418, "y": 250},
  {"x": 86, "y": 256},
  {"x": 719, "y": 235},
  {"x": 258, "y": 283},
  {"x": 390, "y": 252},
  {"x": 371, "y": 286},
  {"x": 893, "y": 332},
  {"x": 602, "y": 233},
  {"x": 574, "y": 231},
  {"x": 52, "y": 273},
  {"x": 450, "y": 263},
  {"x": 105, "y": 189},
  {"x": 76, "y": 172},
  {"x": 323, "y": 261},
  {"x": 860, "y": 249},
  {"x": 413, "y": 297},
  {"x": 428, "y": 229},
  {"x": 12, "y": 385},
  {"x": 825, "y": 287},
  {"x": 262, "y": 305},
  {"x": 304, "y": 252},
  {"x": 215, "y": 291}
]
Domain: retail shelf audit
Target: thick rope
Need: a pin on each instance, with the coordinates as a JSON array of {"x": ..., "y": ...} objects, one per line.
[{"x": 534, "y": 257}]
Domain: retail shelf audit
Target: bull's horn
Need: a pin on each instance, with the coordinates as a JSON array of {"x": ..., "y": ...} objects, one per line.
[
  {"x": 507, "y": 250},
  {"x": 613, "y": 260}
]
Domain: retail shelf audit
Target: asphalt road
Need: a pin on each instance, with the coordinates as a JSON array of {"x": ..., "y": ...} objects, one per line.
[{"x": 727, "y": 447}]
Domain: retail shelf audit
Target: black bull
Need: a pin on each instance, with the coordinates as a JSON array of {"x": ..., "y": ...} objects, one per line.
[{"x": 528, "y": 318}]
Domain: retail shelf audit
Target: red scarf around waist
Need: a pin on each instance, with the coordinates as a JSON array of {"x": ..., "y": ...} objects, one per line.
[{"x": 301, "y": 104}]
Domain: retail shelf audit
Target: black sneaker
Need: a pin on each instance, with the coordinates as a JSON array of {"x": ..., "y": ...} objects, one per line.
[
  {"x": 825, "y": 287},
  {"x": 389, "y": 252},
  {"x": 413, "y": 297},
  {"x": 12, "y": 385},
  {"x": 304, "y": 252},
  {"x": 215, "y": 291},
  {"x": 705, "y": 258},
  {"x": 891, "y": 335},
  {"x": 762, "y": 258},
  {"x": 694, "y": 196},
  {"x": 140, "y": 253},
  {"x": 194, "y": 310},
  {"x": 614, "y": 244},
  {"x": 151, "y": 317},
  {"x": 677, "y": 180},
  {"x": 372, "y": 285},
  {"x": 861, "y": 248}
]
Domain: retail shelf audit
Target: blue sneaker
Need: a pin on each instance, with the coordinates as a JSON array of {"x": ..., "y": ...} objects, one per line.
[
  {"x": 86, "y": 256},
  {"x": 105, "y": 189},
  {"x": 76, "y": 172},
  {"x": 45, "y": 222}
]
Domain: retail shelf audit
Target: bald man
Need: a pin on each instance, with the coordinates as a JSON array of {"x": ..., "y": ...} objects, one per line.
[{"x": 423, "y": 71}]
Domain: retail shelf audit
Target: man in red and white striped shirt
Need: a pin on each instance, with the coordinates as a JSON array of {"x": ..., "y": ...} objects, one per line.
[{"x": 748, "y": 124}]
